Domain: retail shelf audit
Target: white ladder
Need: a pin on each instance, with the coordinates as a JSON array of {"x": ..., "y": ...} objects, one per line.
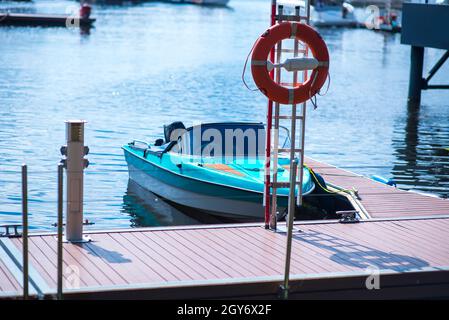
[{"x": 295, "y": 119}]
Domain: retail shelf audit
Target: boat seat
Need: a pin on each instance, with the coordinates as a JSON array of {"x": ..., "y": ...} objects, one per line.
[{"x": 159, "y": 142}]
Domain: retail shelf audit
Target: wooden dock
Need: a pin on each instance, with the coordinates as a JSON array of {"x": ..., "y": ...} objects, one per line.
[
  {"x": 380, "y": 200},
  {"x": 403, "y": 243}
]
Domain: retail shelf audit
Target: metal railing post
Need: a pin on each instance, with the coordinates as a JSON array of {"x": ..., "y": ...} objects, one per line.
[
  {"x": 25, "y": 230},
  {"x": 291, "y": 216},
  {"x": 60, "y": 227}
]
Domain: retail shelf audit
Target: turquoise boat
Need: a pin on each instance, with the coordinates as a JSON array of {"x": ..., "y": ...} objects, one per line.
[{"x": 216, "y": 168}]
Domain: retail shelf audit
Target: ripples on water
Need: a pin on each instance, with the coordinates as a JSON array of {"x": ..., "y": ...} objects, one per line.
[{"x": 148, "y": 64}]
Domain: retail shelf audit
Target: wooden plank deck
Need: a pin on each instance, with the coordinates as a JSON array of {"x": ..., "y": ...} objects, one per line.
[
  {"x": 151, "y": 262},
  {"x": 380, "y": 200},
  {"x": 9, "y": 285},
  {"x": 405, "y": 241}
]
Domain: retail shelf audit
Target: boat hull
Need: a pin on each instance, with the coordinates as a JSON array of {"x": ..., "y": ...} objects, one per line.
[
  {"x": 332, "y": 17},
  {"x": 204, "y": 196}
]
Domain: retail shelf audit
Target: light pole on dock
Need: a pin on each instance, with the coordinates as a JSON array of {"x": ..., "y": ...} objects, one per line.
[{"x": 75, "y": 163}]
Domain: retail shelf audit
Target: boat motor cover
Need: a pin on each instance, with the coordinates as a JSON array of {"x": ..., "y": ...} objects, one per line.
[{"x": 169, "y": 131}]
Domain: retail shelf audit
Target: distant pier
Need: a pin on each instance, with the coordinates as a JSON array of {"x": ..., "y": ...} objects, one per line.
[
  {"x": 22, "y": 19},
  {"x": 430, "y": 32}
]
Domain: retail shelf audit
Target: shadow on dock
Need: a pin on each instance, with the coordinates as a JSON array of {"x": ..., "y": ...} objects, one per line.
[
  {"x": 108, "y": 255},
  {"x": 353, "y": 254}
]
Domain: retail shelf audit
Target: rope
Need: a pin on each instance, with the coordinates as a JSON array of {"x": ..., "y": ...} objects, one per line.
[
  {"x": 314, "y": 103},
  {"x": 328, "y": 85},
  {"x": 349, "y": 191},
  {"x": 244, "y": 69}
]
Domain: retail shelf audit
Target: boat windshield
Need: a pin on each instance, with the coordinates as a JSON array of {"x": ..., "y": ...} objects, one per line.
[
  {"x": 284, "y": 134},
  {"x": 227, "y": 140}
]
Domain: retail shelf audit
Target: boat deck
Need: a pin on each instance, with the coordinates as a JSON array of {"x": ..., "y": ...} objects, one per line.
[{"x": 407, "y": 247}]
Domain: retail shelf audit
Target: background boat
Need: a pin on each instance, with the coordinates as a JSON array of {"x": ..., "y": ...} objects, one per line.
[
  {"x": 325, "y": 13},
  {"x": 333, "y": 16},
  {"x": 202, "y": 2}
]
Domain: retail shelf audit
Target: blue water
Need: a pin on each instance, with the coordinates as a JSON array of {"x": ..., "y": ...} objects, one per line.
[{"x": 148, "y": 64}]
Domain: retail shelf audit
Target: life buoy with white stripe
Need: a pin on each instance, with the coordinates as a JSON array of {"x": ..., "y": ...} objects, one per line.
[{"x": 319, "y": 64}]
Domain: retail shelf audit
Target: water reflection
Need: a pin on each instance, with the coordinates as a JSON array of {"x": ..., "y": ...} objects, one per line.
[
  {"x": 422, "y": 158},
  {"x": 85, "y": 30},
  {"x": 147, "y": 209},
  {"x": 138, "y": 69},
  {"x": 388, "y": 40},
  {"x": 411, "y": 136}
]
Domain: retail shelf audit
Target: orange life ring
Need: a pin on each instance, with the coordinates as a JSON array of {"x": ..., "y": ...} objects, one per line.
[{"x": 302, "y": 92}]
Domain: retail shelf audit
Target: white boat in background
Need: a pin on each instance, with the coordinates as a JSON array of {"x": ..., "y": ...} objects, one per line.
[
  {"x": 325, "y": 13},
  {"x": 203, "y": 2}
]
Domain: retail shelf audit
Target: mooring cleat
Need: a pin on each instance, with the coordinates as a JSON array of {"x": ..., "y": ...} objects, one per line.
[{"x": 348, "y": 216}]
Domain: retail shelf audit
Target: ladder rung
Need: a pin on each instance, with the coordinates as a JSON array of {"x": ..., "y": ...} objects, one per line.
[
  {"x": 289, "y": 117},
  {"x": 288, "y": 150},
  {"x": 283, "y": 17},
  {"x": 282, "y": 184},
  {"x": 289, "y": 84},
  {"x": 291, "y": 50}
]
